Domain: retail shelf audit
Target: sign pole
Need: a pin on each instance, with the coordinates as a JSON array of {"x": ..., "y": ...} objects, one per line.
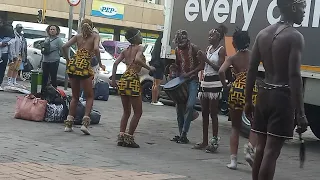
[
  {"x": 70, "y": 23},
  {"x": 82, "y": 14}
]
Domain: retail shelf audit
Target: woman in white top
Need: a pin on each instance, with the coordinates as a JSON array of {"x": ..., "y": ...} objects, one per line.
[{"x": 211, "y": 88}]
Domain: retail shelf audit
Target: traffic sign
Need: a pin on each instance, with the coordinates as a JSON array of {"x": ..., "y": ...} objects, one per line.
[{"x": 73, "y": 2}]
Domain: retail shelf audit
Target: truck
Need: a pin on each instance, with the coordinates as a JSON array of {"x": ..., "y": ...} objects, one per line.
[{"x": 198, "y": 17}]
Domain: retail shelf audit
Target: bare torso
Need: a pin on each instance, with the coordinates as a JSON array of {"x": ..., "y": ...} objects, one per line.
[
  {"x": 275, "y": 53},
  {"x": 130, "y": 55},
  {"x": 86, "y": 43},
  {"x": 240, "y": 61}
]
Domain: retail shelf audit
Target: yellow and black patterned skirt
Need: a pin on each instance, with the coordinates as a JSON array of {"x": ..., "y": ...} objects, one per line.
[
  {"x": 237, "y": 92},
  {"x": 79, "y": 66},
  {"x": 129, "y": 84}
]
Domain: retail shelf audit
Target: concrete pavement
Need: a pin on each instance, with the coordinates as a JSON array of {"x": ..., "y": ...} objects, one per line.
[{"x": 33, "y": 150}]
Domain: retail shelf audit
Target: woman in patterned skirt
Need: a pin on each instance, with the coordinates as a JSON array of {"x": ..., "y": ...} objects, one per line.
[
  {"x": 240, "y": 63},
  {"x": 211, "y": 88},
  {"x": 129, "y": 86},
  {"x": 80, "y": 71}
]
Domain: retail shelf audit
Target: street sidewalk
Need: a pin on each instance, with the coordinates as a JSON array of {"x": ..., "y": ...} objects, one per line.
[{"x": 40, "y": 150}]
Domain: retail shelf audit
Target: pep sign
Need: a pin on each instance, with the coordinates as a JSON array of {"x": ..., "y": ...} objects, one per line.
[{"x": 107, "y": 10}]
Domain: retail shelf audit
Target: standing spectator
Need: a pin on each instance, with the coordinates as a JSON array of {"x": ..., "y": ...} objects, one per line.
[
  {"x": 6, "y": 47},
  {"x": 51, "y": 50},
  {"x": 158, "y": 63},
  {"x": 21, "y": 48}
]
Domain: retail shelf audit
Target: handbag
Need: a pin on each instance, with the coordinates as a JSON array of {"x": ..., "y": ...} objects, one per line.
[
  {"x": 30, "y": 108},
  {"x": 55, "y": 113}
]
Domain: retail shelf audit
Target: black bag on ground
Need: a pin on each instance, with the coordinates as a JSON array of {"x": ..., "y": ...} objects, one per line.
[
  {"x": 55, "y": 113},
  {"x": 53, "y": 96},
  {"x": 101, "y": 91},
  {"x": 94, "y": 115}
]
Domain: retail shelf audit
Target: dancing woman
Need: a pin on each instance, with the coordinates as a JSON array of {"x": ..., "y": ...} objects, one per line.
[
  {"x": 240, "y": 63},
  {"x": 129, "y": 86},
  {"x": 80, "y": 71},
  {"x": 211, "y": 88}
]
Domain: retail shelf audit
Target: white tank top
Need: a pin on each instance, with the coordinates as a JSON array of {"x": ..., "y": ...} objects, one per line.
[{"x": 214, "y": 58}]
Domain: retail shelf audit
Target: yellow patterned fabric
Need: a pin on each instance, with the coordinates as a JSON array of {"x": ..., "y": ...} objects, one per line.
[
  {"x": 129, "y": 83},
  {"x": 80, "y": 64},
  {"x": 237, "y": 92}
]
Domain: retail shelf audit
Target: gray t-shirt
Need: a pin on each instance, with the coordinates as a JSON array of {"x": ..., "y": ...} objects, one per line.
[{"x": 55, "y": 48}]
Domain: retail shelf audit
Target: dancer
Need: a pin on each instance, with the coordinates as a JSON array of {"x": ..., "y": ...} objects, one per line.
[
  {"x": 129, "y": 86},
  {"x": 187, "y": 65},
  {"x": 279, "y": 47},
  {"x": 211, "y": 88},
  {"x": 80, "y": 72},
  {"x": 240, "y": 63}
]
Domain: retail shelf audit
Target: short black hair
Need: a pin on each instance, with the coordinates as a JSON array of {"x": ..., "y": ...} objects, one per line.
[
  {"x": 57, "y": 28},
  {"x": 131, "y": 33},
  {"x": 223, "y": 30},
  {"x": 283, "y": 4},
  {"x": 241, "y": 39}
]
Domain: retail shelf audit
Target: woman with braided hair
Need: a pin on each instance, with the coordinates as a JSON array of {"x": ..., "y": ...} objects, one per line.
[
  {"x": 240, "y": 63},
  {"x": 80, "y": 71},
  {"x": 129, "y": 87}
]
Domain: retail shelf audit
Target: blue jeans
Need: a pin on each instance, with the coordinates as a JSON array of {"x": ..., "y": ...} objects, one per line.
[{"x": 185, "y": 111}]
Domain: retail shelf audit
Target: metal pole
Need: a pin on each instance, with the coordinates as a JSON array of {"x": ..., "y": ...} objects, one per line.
[
  {"x": 70, "y": 23},
  {"x": 82, "y": 14},
  {"x": 44, "y": 11}
]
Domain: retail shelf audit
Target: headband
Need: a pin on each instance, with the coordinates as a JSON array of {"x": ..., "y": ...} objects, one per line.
[
  {"x": 298, "y": 1},
  {"x": 134, "y": 35}
]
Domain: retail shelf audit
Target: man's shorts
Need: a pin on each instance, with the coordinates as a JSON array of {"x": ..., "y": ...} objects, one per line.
[
  {"x": 274, "y": 114},
  {"x": 15, "y": 65}
]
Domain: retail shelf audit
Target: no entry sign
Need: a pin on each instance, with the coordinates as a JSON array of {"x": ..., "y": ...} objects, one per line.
[{"x": 73, "y": 2}]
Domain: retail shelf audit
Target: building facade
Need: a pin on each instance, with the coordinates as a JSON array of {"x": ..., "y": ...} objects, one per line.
[{"x": 111, "y": 17}]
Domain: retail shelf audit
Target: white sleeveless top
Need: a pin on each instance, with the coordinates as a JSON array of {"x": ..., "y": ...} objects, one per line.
[{"x": 214, "y": 58}]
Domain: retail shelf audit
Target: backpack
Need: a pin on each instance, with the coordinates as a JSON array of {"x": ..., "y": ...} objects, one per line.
[{"x": 45, "y": 48}]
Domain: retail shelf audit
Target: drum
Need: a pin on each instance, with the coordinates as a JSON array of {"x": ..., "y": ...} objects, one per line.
[{"x": 177, "y": 90}]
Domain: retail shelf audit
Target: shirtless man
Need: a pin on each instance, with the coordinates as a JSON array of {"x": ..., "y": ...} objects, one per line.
[{"x": 279, "y": 47}]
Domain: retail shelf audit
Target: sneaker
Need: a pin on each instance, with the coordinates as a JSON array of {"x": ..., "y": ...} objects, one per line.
[
  {"x": 157, "y": 103},
  {"x": 1, "y": 89},
  {"x": 10, "y": 84},
  {"x": 213, "y": 145},
  {"x": 233, "y": 162},
  {"x": 183, "y": 140}
]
